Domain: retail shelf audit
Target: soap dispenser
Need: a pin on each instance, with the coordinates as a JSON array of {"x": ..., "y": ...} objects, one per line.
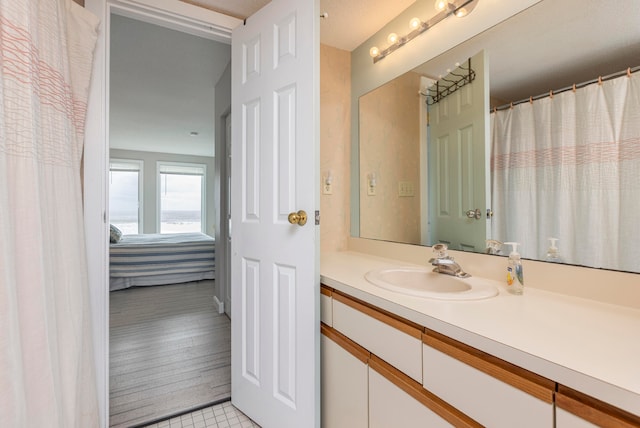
[
  {"x": 552, "y": 252},
  {"x": 515, "y": 277}
]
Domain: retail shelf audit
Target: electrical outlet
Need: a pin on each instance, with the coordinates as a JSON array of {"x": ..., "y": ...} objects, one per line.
[
  {"x": 405, "y": 189},
  {"x": 327, "y": 189},
  {"x": 371, "y": 190}
]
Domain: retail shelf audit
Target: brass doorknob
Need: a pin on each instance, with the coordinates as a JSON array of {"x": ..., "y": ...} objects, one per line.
[
  {"x": 299, "y": 218},
  {"x": 474, "y": 214}
]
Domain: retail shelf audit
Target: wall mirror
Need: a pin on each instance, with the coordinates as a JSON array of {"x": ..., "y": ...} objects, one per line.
[{"x": 548, "y": 47}]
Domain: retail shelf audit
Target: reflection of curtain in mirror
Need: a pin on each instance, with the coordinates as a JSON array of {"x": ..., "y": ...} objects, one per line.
[
  {"x": 568, "y": 167},
  {"x": 47, "y": 377}
]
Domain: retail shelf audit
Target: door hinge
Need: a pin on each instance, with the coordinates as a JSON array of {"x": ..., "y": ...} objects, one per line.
[{"x": 317, "y": 217}]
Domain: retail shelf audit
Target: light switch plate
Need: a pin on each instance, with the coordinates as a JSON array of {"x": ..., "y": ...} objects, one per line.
[{"x": 405, "y": 188}]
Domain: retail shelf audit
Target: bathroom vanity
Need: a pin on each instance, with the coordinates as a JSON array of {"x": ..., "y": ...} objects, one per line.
[{"x": 541, "y": 359}]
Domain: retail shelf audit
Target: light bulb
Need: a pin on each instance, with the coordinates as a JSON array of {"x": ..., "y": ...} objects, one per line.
[
  {"x": 374, "y": 51},
  {"x": 462, "y": 12},
  {"x": 415, "y": 23},
  {"x": 392, "y": 38},
  {"x": 441, "y": 4}
]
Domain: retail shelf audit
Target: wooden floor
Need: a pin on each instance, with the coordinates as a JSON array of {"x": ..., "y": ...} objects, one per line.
[{"x": 170, "y": 351}]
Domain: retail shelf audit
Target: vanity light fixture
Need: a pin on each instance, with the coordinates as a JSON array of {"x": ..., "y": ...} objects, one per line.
[{"x": 445, "y": 8}]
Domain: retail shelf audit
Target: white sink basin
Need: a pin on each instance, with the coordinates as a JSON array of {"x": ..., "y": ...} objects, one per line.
[{"x": 423, "y": 282}]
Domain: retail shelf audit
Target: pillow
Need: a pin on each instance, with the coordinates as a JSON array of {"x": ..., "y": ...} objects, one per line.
[{"x": 115, "y": 234}]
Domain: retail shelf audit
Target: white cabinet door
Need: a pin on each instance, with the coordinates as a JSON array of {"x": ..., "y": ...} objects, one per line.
[
  {"x": 344, "y": 387},
  {"x": 390, "y": 406}
]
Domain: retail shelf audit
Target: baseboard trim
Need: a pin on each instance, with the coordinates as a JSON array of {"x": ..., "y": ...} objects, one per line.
[{"x": 219, "y": 304}]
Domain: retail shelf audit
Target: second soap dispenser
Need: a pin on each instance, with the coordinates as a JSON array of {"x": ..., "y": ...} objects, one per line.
[{"x": 515, "y": 275}]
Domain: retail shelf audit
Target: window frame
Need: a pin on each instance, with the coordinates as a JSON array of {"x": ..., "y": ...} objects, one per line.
[
  {"x": 139, "y": 163},
  {"x": 203, "y": 191}
]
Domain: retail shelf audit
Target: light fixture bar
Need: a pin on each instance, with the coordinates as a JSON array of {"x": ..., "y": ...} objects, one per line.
[{"x": 451, "y": 9}]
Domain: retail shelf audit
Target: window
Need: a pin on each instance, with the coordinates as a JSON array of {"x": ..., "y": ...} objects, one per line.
[
  {"x": 125, "y": 193},
  {"x": 181, "y": 197}
]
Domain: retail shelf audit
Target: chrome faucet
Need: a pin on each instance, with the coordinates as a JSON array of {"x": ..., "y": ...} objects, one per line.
[
  {"x": 446, "y": 264},
  {"x": 493, "y": 246}
]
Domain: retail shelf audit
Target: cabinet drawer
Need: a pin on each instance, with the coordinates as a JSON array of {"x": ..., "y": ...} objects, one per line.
[
  {"x": 326, "y": 313},
  {"x": 566, "y": 419},
  {"x": 395, "y": 341},
  {"x": 487, "y": 389},
  {"x": 577, "y": 410}
]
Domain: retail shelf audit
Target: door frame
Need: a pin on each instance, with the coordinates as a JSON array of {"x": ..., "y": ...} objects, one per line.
[
  {"x": 179, "y": 16},
  {"x": 222, "y": 299}
]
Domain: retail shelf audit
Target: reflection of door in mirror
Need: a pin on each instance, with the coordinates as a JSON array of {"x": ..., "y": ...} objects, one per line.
[{"x": 458, "y": 159}]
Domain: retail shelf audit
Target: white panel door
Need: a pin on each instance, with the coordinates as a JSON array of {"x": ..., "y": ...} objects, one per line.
[
  {"x": 275, "y": 276},
  {"x": 458, "y": 163}
]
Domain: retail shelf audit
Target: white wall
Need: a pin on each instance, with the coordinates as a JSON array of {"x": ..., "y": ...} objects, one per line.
[{"x": 150, "y": 182}]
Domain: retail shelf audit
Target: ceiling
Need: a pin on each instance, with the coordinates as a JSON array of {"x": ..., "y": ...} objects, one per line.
[
  {"x": 157, "y": 111},
  {"x": 349, "y": 22},
  {"x": 162, "y": 88}
]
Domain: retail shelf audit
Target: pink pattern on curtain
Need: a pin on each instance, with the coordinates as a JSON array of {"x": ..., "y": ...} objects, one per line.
[
  {"x": 578, "y": 155},
  {"x": 567, "y": 167},
  {"x": 47, "y": 378}
]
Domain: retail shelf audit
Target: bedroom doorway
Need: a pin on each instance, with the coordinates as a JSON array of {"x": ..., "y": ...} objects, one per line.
[{"x": 169, "y": 345}]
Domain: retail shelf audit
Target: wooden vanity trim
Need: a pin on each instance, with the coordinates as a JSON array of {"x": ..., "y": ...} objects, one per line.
[
  {"x": 399, "y": 323},
  {"x": 426, "y": 398},
  {"x": 529, "y": 382},
  {"x": 347, "y": 344},
  {"x": 593, "y": 410},
  {"x": 326, "y": 291}
]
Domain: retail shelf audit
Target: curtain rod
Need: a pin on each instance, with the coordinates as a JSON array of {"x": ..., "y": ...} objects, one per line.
[{"x": 573, "y": 87}]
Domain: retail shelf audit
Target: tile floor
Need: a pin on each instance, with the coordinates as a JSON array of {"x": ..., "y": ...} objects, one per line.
[{"x": 222, "y": 415}]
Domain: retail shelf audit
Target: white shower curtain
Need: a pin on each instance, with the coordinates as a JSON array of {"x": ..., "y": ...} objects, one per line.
[
  {"x": 568, "y": 167},
  {"x": 47, "y": 378}
]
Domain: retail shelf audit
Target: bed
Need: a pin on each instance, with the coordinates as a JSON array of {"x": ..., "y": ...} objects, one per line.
[{"x": 159, "y": 259}]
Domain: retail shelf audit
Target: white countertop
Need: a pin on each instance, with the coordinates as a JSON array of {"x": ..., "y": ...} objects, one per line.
[{"x": 586, "y": 345}]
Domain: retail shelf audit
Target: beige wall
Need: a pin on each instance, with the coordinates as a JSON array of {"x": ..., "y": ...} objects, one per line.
[
  {"x": 390, "y": 149},
  {"x": 335, "y": 146}
]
